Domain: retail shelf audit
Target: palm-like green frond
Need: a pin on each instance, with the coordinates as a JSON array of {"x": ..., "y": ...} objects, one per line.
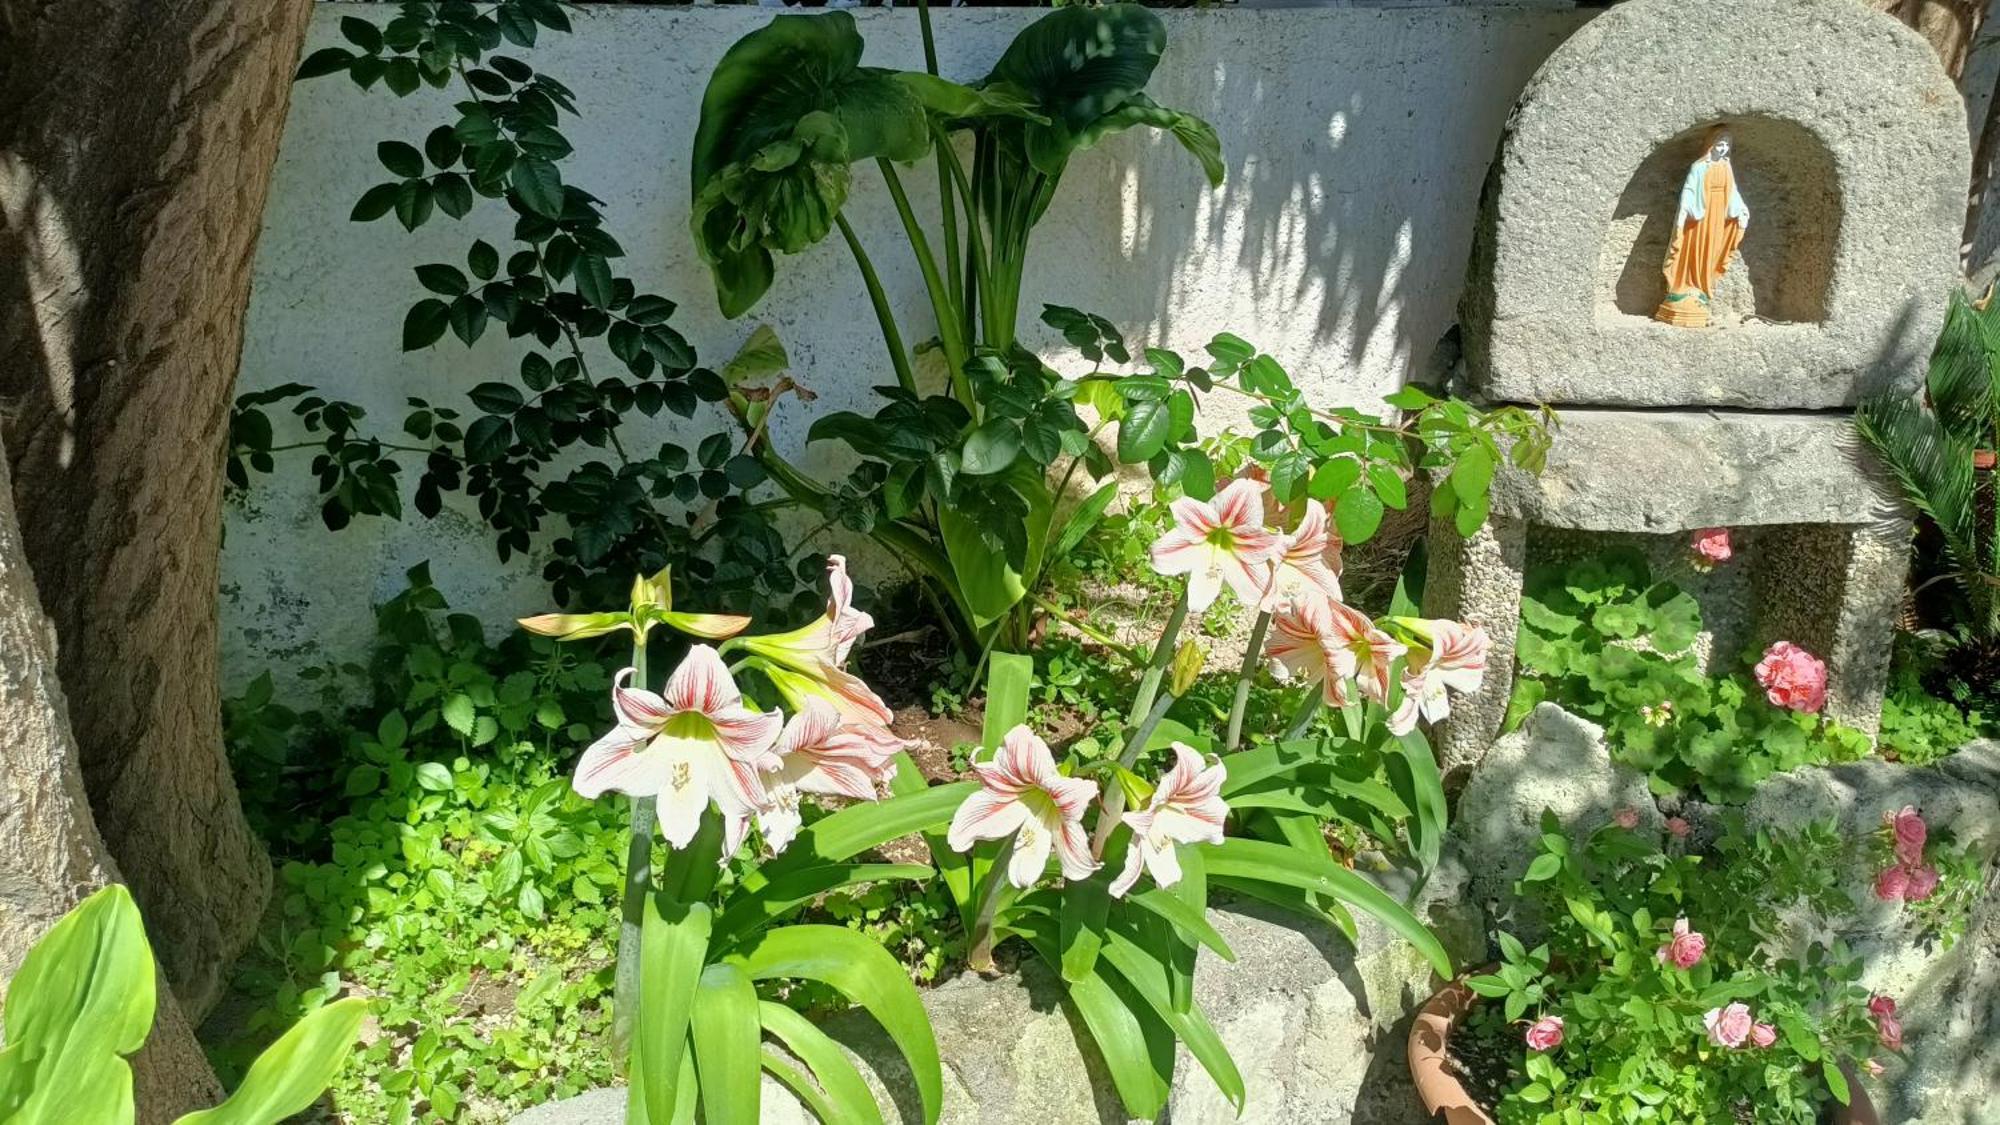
[
  {"x": 1932, "y": 465},
  {"x": 1964, "y": 377}
]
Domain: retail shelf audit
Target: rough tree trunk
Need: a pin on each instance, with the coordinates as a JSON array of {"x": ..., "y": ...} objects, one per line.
[
  {"x": 137, "y": 141},
  {"x": 50, "y": 853},
  {"x": 1950, "y": 25}
]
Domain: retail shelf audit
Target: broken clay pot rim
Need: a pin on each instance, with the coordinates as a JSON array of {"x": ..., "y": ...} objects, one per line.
[{"x": 1442, "y": 1094}]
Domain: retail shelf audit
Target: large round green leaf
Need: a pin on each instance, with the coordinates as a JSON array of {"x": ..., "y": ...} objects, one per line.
[
  {"x": 1077, "y": 64},
  {"x": 788, "y": 107}
]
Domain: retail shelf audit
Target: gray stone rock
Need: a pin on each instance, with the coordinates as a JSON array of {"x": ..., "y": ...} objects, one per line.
[
  {"x": 1646, "y": 471},
  {"x": 1555, "y": 762},
  {"x": 1850, "y": 152},
  {"x": 1317, "y": 1028}
]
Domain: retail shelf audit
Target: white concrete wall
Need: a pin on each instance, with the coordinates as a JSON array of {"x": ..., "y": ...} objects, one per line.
[{"x": 1356, "y": 139}]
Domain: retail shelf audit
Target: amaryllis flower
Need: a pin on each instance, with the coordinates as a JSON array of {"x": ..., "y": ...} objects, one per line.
[
  {"x": 806, "y": 663},
  {"x": 1910, "y": 832},
  {"x": 1364, "y": 653},
  {"x": 1710, "y": 545},
  {"x": 1684, "y": 949},
  {"x": 1217, "y": 543},
  {"x": 691, "y": 745},
  {"x": 1023, "y": 796},
  {"x": 652, "y": 603},
  {"x": 1302, "y": 645},
  {"x": 1186, "y": 808},
  {"x": 1307, "y": 564},
  {"x": 1545, "y": 1034},
  {"x": 1763, "y": 1035},
  {"x": 819, "y": 752},
  {"x": 1792, "y": 678},
  {"x": 1728, "y": 1027},
  {"x": 1452, "y": 659},
  {"x": 1923, "y": 883}
]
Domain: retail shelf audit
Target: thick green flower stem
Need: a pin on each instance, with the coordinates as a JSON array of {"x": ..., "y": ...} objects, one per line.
[
  {"x": 1308, "y": 711},
  {"x": 941, "y": 303},
  {"x": 980, "y": 959},
  {"x": 638, "y": 888},
  {"x": 1252, "y": 658},
  {"x": 1156, "y": 668},
  {"x": 892, "y": 337}
]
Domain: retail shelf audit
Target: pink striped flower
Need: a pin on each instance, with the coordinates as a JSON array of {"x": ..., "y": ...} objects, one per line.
[
  {"x": 1307, "y": 565},
  {"x": 1023, "y": 796},
  {"x": 1302, "y": 645},
  {"x": 807, "y": 663},
  {"x": 695, "y": 744},
  {"x": 1452, "y": 660},
  {"x": 1219, "y": 543},
  {"x": 821, "y": 753},
  {"x": 1365, "y": 654},
  {"x": 1186, "y": 808}
]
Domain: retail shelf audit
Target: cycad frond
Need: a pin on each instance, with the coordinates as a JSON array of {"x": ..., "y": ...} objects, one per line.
[
  {"x": 1933, "y": 467},
  {"x": 1964, "y": 376}
]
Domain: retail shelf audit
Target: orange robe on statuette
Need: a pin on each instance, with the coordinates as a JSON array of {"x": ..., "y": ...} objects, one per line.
[{"x": 1700, "y": 252}]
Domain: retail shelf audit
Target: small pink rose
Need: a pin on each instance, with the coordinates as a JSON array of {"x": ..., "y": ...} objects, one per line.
[
  {"x": 1677, "y": 828},
  {"x": 1626, "y": 818},
  {"x": 1545, "y": 1034},
  {"x": 1728, "y": 1027},
  {"x": 1711, "y": 544},
  {"x": 1792, "y": 678},
  {"x": 1922, "y": 883},
  {"x": 1685, "y": 948},
  {"x": 1880, "y": 1005},
  {"x": 1872, "y": 1068},
  {"x": 1891, "y": 884},
  {"x": 1910, "y": 832},
  {"x": 1889, "y": 1030},
  {"x": 1763, "y": 1035}
]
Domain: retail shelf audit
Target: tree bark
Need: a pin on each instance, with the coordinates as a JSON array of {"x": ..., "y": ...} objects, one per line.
[
  {"x": 1950, "y": 25},
  {"x": 51, "y": 855},
  {"x": 137, "y": 142}
]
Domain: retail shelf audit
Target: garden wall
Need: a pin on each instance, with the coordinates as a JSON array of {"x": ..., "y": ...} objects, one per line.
[{"x": 1356, "y": 141}]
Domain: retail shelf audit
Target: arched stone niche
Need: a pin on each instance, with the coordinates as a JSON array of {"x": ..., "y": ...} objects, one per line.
[{"x": 1851, "y": 151}]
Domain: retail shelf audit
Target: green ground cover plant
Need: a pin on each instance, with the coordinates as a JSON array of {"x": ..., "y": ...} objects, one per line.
[{"x": 1604, "y": 639}]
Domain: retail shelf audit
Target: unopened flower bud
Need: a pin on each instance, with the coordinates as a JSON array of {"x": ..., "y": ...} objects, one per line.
[{"x": 1188, "y": 661}]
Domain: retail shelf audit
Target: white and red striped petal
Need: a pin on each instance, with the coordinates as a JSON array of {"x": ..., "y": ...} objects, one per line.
[
  {"x": 637, "y": 707},
  {"x": 702, "y": 684},
  {"x": 985, "y": 815},
  {"x": 616, "y": 763}
]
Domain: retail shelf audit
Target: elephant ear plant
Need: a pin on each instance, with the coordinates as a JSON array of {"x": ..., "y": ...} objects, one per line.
[
  {"x": 704, "y": 763},
  {"x": 788, "y": 112},
  {"x": 83, "y": 1000}
]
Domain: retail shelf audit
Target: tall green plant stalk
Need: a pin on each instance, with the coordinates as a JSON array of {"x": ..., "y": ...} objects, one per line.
[
  {"x": 638, "y": 891},
  {"x": 979, "y": 957},
  {"x": 1149, "y": 707},
  {"x": 1245, "y": 676}
]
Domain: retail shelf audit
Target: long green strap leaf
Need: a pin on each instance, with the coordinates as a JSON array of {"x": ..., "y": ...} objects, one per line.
[
  {"x": 791, "y": 889},
  {"x": 859, "y": 969},
  {"x": 292, "y": 1073},
  {"x": 841, "y": 1089},
  {"x": 1138, "y": 1048},
  {"x": 1257, "y": 860},
  {"x": 673, "y": 947},
  {"x": 727, "y": 1031},
  {"x": 1151, "y": 979},
  {"x": 1425, "y": 794}
]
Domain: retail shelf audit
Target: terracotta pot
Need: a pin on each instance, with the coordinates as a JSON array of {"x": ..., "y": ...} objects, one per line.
[
  {"x": 1984, "y": 458},
  {"x": 1442, "y": 1094}
]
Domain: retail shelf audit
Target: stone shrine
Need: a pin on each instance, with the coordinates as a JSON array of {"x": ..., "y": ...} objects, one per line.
[{"x": 1849, "y": 141}]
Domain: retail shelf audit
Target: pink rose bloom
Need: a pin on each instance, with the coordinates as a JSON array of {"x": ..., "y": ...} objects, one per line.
[
  {"x": 1763, "y": 1035},
  {"x": 1792, "y": 678},
  {"x": 1882, "y": 1005},
  {"x": 1889, "y": 1030},
  {"x": 1711, "y": 544},
  {"x": 1873, "y": 1068},
  {"x": 1923, "y": 881},
  {"x": 1685, "y": 948},
  {"x": 1892, "y": 884},
  {"x": 1677, "y": 828},
  {"x": 1910, "y": 833},
  {"x": 1546, "y": 1034},
  {"x": 1728, "y": 1027},
  {"x": 1626, "y": 818}
]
